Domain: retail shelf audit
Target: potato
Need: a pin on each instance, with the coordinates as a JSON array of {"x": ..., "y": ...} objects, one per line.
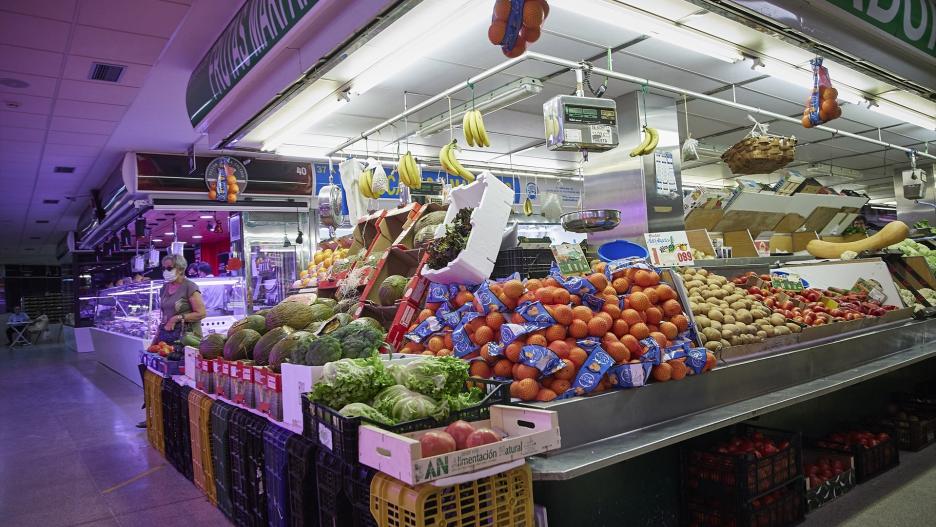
[
  {"x": 730, "y": 287},
  {"x": 795, "y": 328},
  {"x": 711, "y": 333},
  {"x": 688, "y": 270},
  {"x": 761, "y": 333},
  {"x": 736, "y": 341},
  {"x": 757, "y": 314},
  {"x": 716, "y": 315},
  {"x": 731, "y": 328},
  {"x": 738, "y": 304},
  {"x": 713, "y": 345},
  {"x": 729, "y": 319},
  {"x": 751, "y": 329},
  {"x": 695, "y": 284},
  {"x": 782, "y": 330},
  {"x": 702, "y": 321},
  {"x": 743, "y": 315},
  {"x": 715, "y": 325},
  {"x": 725, "y": 343},
  {"x": 702, "y": 272},
  {"x": 702, "y": 339},
  {"x": 747, "y": 339},
  {"x": 776, "y": 319},
  {"x": 769, "y": 330}
]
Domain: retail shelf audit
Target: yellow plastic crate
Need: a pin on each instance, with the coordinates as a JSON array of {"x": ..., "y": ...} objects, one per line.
[
  {"x": 199, "y": 421},
  {"x": 204, "y": 422},
  {"x": 152, "y": 395},
  {"x": 502, "y": 500}
]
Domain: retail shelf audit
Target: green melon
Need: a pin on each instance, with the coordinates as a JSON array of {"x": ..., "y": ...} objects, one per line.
[
  {"x": 212, "y": 346},
  {"x": 191, "y": 340},
  {"x": 240, "y": 345},
  {"x": 428, "y": 219},
  {"x": 330, "y": 302},
  {"x": 261, "y": 350},
  {"x": 392, "y": 289},
  {"x": 254, "y": 322},
  {"x": 296, "y": 315},
  {"x": 283, "y": 350},
  {"x": 372, "y": 322}
]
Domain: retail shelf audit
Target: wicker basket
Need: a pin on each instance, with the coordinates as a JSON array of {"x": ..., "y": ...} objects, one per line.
[{"x": 760, "y": 154}]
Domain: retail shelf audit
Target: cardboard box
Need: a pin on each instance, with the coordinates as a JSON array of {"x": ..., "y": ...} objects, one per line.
[
  {"x": 205, "y": 375},
  {"x": 525, "y": 431},
  {"x": 394, "y": 224},
  {"x": 191, "y": 358}
]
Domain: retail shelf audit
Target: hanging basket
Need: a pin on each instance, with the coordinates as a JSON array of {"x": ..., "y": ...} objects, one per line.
[{"x": 760, "y": 152}]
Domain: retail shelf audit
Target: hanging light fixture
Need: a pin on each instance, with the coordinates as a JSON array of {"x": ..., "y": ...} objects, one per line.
[{"x": 299, "y": 228}]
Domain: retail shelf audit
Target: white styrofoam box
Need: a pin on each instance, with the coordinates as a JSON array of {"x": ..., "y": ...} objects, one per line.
[
  {"x": 844, "y": 273},
  {"x": 190, "y": 361},
  {"x": 219, "y": 324},
  {"x": 492, "y": 201}
]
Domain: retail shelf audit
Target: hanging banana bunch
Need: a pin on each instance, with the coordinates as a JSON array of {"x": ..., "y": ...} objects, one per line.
[
  {"x": 410, "y": 173},
  {"x": 473, "y": 126},
  {"x": 365, "y": 183},
  {"x": 649, "y": 143},
  {"x": 450, "y": 163}
]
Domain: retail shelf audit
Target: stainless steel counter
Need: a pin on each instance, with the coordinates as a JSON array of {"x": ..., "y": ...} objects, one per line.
[{"x": 613, "y": 427}]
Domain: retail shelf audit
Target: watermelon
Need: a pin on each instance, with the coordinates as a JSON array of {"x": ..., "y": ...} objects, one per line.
[
  {"x": 261, "y": 350},
  {"x": 240, "y": 345},
  {"x": 429, "y": 219},
  {"x": 424, "y": 236},
  {"x": 283, "y": 350},
  {"x": 254, "y": 322},
  {"x": 392, "y": 289},
  {"x": 212, "y": 346}
]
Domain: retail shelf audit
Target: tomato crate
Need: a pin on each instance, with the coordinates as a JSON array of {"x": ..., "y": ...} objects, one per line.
[
  {"x": 914, "y": 425},
  {"x": 303, "y": 499},
  {"x": 823, "y": 485},
  {"x": 339, "y": 434},
  {"x": 501, "y": 500},
  {"x": 783, "y": 507},
  {"x": 729, "y": 462},
  {"x": 871, "y": 459}
]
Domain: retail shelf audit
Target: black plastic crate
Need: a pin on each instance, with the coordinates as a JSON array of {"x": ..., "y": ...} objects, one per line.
[
  {"x": 913, "y": 423},
  {"x": 334, "y": 507},
  {"x": 783, "y": 507},
  {"x": 710, "y": 468},
  {"x": 276, "y": 475},
  {"x": 247, "y": 468},
  {"x": 529, "y": 263},
  {"x": 869, "y": 461},
  {"x": 303, "y": 499},
  {"x": 339, "y": 434},
  {"x": 173, "y": 412},
  {"x": 832, "y": 488},
  {"x": 185, "y": 434},
  {"x": 221, "y": 454},
  {"x": 357, "y": 480},
  {"x": 362, "y": 517}
]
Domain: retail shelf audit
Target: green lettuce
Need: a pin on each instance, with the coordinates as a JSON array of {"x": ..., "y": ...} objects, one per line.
[
  {"x": 402, "y": 404},
  {"x": 436, "y": 377},
  {"x": 365, "y": 411},
  {"x": 349, "y": 381}
]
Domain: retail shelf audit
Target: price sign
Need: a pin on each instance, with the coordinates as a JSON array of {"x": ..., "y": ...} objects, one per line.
[
  {"x": 668, "y": 249},
  {"x": 571, "y": 259},
  {"x": 787, "y": 282}
]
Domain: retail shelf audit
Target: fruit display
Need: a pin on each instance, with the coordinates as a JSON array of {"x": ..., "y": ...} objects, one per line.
[
  {"x": 322, "y": 262},
  {"x": 862, "y": 438},
  {"x": 564, "y": 336},
  {"x": 450, "y": 163},
  {"x": 456, "y": 436},
  {"x": 514, "y": 30},
  {"x": 824, "y": 469},
  {"x": 473, "y": 127},
  {"x": 909, "y": 247},
  {"x": 163, "y": 349},
  {"x": 649, "y": 143},
  {"x": 410, "y": 173}
]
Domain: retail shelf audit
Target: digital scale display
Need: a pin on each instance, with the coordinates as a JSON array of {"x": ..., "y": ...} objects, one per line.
[{"x": 590, "y": 115}]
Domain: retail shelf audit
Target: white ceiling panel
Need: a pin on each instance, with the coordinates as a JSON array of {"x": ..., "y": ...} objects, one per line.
[
  {"x": 77, "y": 150},
  {"x": 56, "y": 9},
  {"x": 97, "y": 91},
  {"x": 33, "y": 32},
  {"x": 89, "y": 110},
  {"x": 39, "y": 85},
  {"x": 23, "y": 119},
  {"x": 26, "y": 103},
  {"x": 52, "y": 160},
  {"x": 19, "y": 148},
  {"x": 79, "y": 68},
  {"x": 915, "y": 132},
  {"x": 116, "y": 45},
  {"x": 92, "y": 126},
  {"x": 73, "y": 138},
  {"x": 146, "y": 17},
  {"x": 22, "y": 134},
  {"x": 18, "y": 59}
]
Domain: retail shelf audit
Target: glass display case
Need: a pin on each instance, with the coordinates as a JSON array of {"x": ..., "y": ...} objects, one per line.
[{"x": 133, "y": 310}]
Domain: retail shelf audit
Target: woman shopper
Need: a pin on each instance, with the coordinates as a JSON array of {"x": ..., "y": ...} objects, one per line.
[{"x": 181, "y": 306}]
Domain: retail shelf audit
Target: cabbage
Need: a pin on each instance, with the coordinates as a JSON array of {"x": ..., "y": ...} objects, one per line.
[
  {"x": 436, "y": 377},
  {"x": 366, "y": 412},
  {"x": 402, "y": 404}
]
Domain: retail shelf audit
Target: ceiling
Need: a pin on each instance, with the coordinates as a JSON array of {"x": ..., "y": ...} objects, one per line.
[
  {"x": 459, "y": 52},
  {"x": 190, "y": 226}
]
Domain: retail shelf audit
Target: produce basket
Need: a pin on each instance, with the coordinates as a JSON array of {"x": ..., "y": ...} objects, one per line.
[
  {"x": 501, "y": 500},
  {"x": 303, "y": 499},
  {"x": 221, "y": 413},
  {"x": 529, "y": 263},
  {"x": 832, "y": 488},
  {"x": 712, "y": 470},
  {"x": 781, "y": 508},
  {"x": 870, "y": 461},
  {"x": 760, "y": 152},
  {"x": 200, "y": 436},
  {"x": 915, "y": 426},
  {"x": 276, "y": 475},
  {"x": 339, "y": 434},
  {"x": 152, "y": 397}
]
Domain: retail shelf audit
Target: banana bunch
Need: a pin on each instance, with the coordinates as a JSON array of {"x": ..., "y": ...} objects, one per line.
[
  {"x": 649, "y": 143},
  {"x": 365, "y": 183},
  {"x": 475, "y": 133},
  {"x": 410, "y": 173},
  {"x": 552, "y": 126},
  {"x": 450, "y": 163}
]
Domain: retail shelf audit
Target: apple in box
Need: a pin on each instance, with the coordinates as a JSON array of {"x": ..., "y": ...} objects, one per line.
[
  {"x": 436, "y": 443},
  {"x": 456, "y": 436}
]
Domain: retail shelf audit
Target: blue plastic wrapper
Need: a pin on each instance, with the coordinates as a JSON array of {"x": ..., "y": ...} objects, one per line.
[
  {"x": 438, "y": 293},
  {"x": 510, "y": 332},
  {"x": 535, "y": 313},
  {"x": 541, "y": 358},
  {"x": 654, "y": 354},
  {"x": 677, "y": 350},
  {"x": 630, "y": 375},
  {"x": 623, "y": 264},
  {"x": 593, "y": 301},
  {"x": 425, "y": 329},
  {"x": 592, "y": 370},
  {"x": 485, "y": 301},
  {"x": 495, "y": 349},
  {"x": 695, "y": 360},
  {"x": 462, "y": 343},
  {"x": 452, "y": 318},
  {"x": 575, "y": 285},
  {"x": 514, "y": 276}
]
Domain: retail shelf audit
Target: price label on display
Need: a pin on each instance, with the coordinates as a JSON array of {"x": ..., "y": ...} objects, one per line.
[
  {"x": 571, "y": 259},
  {"x": 669, "y": 249},
  {"x": 787, "y": 282}
]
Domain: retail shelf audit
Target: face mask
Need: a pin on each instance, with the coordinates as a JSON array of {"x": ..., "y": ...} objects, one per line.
[{"x": 169, "y": 276}]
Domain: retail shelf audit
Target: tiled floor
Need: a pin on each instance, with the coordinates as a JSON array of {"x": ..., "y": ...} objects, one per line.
[{"x": 70, "y": 453}]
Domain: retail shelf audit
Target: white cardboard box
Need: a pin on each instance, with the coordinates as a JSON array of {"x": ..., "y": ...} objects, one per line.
[
  {"x": 525, "y": 431},
  {"x": 191, "y": 355}
]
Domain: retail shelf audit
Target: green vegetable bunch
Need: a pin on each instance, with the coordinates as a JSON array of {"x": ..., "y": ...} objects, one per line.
[
  {"x": 447, "y": 247},
  {"x": 351, "y": 381},
  {"x": 358, "y": 340},
  {"x": 436, "y": 377}
]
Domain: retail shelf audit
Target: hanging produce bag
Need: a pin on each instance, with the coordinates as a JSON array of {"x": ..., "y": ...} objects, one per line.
[
  {"x": 760, "y": 152},
  {"x": 822, "y": 105}
]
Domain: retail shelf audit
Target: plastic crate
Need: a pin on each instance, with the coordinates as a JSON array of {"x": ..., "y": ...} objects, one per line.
[
  {"x": 171, "y": 404},
  {"x": 339, "y": 434},
  {"x": 185, "y": 433},
  {"x": 220, "y": 454},
  {"x": 152, "y": 397},
  {"x": 708, "y": 472},
  {"x": 199, "y": 409},
  {"x": 529, "y": 263},
  {"x": 357, "y": 481},
  {"x": 869, "y": 462},
  {"x": 247, "y": 466},
  {"x": 502, "y": 500},
  {"x": 303, "y": 499},
  {"x": 914, "y": 425},
  {"x": 783, "y": 507},
  {"x": 832, "y": 488},
  {"x": 334, "y": 507},
  {"x": 276, "y": 475}
]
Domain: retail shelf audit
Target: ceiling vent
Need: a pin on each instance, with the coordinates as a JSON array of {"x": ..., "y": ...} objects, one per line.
[
  {"x": 42, "y": 221},
  {"x": 50, "y": 201},
  {"x": 106, "y": 72},
  {"x": 64, "y": 170}
]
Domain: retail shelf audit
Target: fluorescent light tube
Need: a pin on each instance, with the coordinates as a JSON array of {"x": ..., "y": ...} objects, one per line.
[
  {"x": 904, "y": 114},
  {"x": 804, "y": 78},
  {"x": 652, "y": 25},
  {"x": 315, "y": 114},
  {"x": 490, "y": 102}
]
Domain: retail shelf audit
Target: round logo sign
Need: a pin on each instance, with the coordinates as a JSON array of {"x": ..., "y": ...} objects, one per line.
[
  {"x": 531, "y": 190},
  {"x": 220, "y": 169}
]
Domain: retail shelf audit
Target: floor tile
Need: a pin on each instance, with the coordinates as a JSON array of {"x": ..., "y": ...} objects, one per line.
[{"x": 198, "y": 512}]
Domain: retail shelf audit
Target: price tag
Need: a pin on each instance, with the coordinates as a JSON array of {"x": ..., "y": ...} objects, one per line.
[
  {"x": 668, "y": 249},
  {"x": 787, "y": 282},
  {"x": 570, "y": 259},
  {"x": 325, "y": 436}
]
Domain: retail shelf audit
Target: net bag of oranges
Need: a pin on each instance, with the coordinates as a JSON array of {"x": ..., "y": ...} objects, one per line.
[
  {"x": 822, "y": 105},
  {"x": 516, "y": 23}
]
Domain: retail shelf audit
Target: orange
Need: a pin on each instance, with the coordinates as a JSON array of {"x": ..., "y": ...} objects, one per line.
[
  {"x": 640, "y": 331},
  {"x": 636, "y": 289},
  {"x": 567, "y": 372},
  {"x": 563, "y": 315},
  {"x": 654, "y": 315},
  {"x": 517, "y": 318},
  {"x": 598, "y": 280},
  {"x": 550, "y": 282},
  {"x": 533, "y": 284},
  {"x": 483, "y": 335},
  {"x": 578, "y": 329},
  {"x": 526, "y": 372},
  {"x": 436, "y": 343},
  {"x": 514, "y": 392},
  {"x": 610, "y": 299},
  {"x": 652, "y": 295},
  {"x": 639, "y": 301},
  {"x": 631, "y": 342},
  {"x": 608, "y": 338},
  {"x": 485, "y": 354},
  {"x": 653, "y": 327},
  {"x": 612, "y": 309},
  {"x": 679, "y": 369},
  {"x": 444, "y": 352},
  {"x": 536, "y": 340},
  {"x": 682, "y": 323},
  {"x": 494, "y": 321},
  {"x": 561, "y": 296},
  {"x": 447, "y": 340},
  {"x": 529, "y": 296},
  {"x": 413, "y": 347},
  {"x": 479, "y": 368},
  {"x": 561, "y": 348},
  {"x": 513, "y": 289},
  {"x": 545, "y": 294},
  {"x": 709, "y": 361},
  {"x": 463, "y": 297},
  {"x": 509, "y": 303},
  {"x": 620, "y": 285},
  {"x": 631, "y": 316},
  {"x": 427, "y": 352},
  {"x": 620, "y": 328},
  {"x": 662, "y": 372},
  {"x": 502, "y": 368},
  {"x": 434, "y": 306},
  {"x": 583, "y": 313},
  {"x": 546, "y": 382},
  {"x": 665, "y": 292},
  {"x": 424, "y": 314},
  {"x": 672, "y": 308},
  {"x": 659, "y": 338},
  {"x": 560, "y": 386},
  {"x": 512, "y": 351},
  {"x": 642, "y": 278},
  {"x": 598, "y": 326},
  {"x": 545, "y": 395},
  {"x": 618, "y": 352},
  {"x": 608, "y": 291},
  {"x": 577, "y": 356},
  {"x": 669, "y": 329},
  {"x": 501, "y": 12},
  {"x": 599, "y": 267},
  {"x": 555, "y": 332},
  {"x": 575, "y": 300},
  {"x": 527, "y": 389}
]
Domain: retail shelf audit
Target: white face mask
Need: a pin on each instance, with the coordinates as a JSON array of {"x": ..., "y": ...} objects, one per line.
[{"x": 170, "y": 276}]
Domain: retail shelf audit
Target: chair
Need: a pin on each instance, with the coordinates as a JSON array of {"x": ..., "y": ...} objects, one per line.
[{"x": 38, "y": 328}]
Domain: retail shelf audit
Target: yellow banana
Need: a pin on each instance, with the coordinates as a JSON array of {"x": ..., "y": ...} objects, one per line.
[
  {"x": 443, "y": 159},
  {"x": 403, "y": 170},
  {"x": 528, "y": 207},
  {"x": 470, "y": 136},
  {"x": 639, "y": 149},
  {"x": 414, "y": 170},
  {"x": 365, "y": 184},
  {"x": 451, "y": 165},
  {"x": 654, "y": 141},
  {"x": 479, "y": 130}
]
